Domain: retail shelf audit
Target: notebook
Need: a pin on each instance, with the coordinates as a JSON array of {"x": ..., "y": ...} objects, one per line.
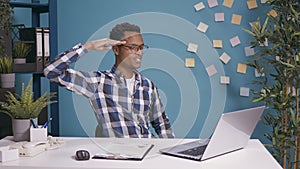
[{"x": 232, "y": 133}]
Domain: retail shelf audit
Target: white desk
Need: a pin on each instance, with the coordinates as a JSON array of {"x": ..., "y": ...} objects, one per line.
[{"x": 254, "y": 156}]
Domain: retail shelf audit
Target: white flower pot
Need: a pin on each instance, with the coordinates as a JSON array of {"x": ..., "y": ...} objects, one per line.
[
  {"x": 21, "y": 129},
  {"x": 7, "y": 80},
  {"x": 20, "y": 60}
]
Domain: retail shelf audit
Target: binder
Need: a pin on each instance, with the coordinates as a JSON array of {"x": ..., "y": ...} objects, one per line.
[
  {"x": 46, "y": 47},
  {"x": 34, "y": 37}
]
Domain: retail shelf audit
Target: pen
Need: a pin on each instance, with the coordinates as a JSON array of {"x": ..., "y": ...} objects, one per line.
[
  {"x": 33, "y": 123},
  {"x": 46, "y": 123}
]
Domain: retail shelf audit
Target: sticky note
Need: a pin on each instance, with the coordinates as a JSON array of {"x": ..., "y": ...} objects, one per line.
[
  {"x": 242, "y": 68},
  {"x": 217, "y": 44},
  {"x": 189, "y": 62},
  {"x": 265, "y": 43},
  {"x": 219, "y": 17},
  {"x": 252, "y": 4},
  {"x": 192, "y": 47},
  {"x": 235, "y": 41},
  {"x": 228, "y": 3},
  {"x": 225, "y": 58},
  {"x": 211, "y": 70},
  {"x": 249, "y": 51},
  {"x": 224, "y": 79},
  {"x": 244, "y": 91},
  {"x": 272, "y": 13},
  {"x": 212, "y": 3},
  {"x": 202, "y": 27},
  {"x": 257, "y": 74},
  {"x": 236, "y": 19},
  {"x": 199, "y": 6},
  {"x": 263, "y": 1}
]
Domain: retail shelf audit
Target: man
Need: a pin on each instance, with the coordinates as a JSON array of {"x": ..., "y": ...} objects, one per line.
[{"x": 124, "y": 101}]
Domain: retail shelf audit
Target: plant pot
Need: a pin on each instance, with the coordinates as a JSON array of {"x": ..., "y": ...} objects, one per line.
[
  {"x": 20, "y": 60},
  {"x": 7, "y": 80},
  {"x": 21, "y": 129}
]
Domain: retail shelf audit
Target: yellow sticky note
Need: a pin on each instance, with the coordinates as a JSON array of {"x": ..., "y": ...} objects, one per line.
[
  {"x": 252, "y": 4},
  {"x": 228, "y": 3},
  {"x": 273, "y": 13},
  {"x": 242, "y": 68},
  {"x": 236, "y": 19},
  {"x": 217, "y": 43},
  {"x": 189, "y": 62}
]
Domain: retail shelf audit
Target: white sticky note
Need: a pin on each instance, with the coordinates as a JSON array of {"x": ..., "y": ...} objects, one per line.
[
  {"x": 244, "y": 91},
  {"x": 202, "y": 27},
  {"x": 225, "y": 58},
  {"x": 219, "y": 17},
  {"x": 263, "y": 1},
  {"x": 258, "y": 74},
  {"x": 192, "y": 47},
  {"x": 249, "y": 51},
  {"x": 235, "y": 41},
  {"x": 224, "y": 79},
  {"x": 211, "y": 70},
  {"x": 199, "y": 6},
  {"x": 212, "y": 3}
]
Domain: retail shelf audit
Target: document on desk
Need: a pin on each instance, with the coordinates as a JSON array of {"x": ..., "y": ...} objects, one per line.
[{"x": 124, "y": 151}]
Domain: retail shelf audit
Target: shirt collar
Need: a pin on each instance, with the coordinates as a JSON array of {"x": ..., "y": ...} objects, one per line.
[{"x": 115, "y": 72}]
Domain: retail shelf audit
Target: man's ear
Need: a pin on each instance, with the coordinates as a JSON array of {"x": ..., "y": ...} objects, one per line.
[{"x": 115, "y": 50}]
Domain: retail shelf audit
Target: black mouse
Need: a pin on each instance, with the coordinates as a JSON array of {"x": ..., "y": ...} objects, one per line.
[{"x": 82, "y": 155}]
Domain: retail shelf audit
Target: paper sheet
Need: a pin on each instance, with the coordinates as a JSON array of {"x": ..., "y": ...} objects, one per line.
[
  {"x": 189, "y": 62},
  {"x": 242, "y": 68},
  {"x": 236, "y": 19},
  {"x": 235, "y": 41},
  {"x": 228, "y": 3},
  {"x": 225, "y": 58},
  {"x": 219, "y": 17},
  {"x": 202, "y": 27},
  {"x": 211, "y": 70}
]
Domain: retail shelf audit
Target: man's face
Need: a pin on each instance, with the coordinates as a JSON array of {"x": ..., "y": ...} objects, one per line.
[{"x": 129, "y": 54}]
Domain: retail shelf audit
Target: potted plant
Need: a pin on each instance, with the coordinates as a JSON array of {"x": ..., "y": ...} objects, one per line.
[
  {"x": 7, "y": 76},
  {"x": 20, "y": 52},
  {"x": 279, "y": 61},
  {"x": 22, "y": 108},
  {"x": 5, "y": 27}
]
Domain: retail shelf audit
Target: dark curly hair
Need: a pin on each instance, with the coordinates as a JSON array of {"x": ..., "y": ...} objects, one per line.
[{"x": 117, "y": 33}]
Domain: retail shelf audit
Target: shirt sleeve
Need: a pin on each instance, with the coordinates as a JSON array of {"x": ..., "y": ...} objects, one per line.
[
  {"x": 83, "y": 83},
  {"x": 159, "y": 119}
]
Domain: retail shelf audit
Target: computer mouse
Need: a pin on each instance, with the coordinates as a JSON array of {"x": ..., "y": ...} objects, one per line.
[{"x": 82, "y": 155}]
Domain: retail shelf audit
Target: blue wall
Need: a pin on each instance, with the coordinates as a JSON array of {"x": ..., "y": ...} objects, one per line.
[{"x": 193, "y": 100}]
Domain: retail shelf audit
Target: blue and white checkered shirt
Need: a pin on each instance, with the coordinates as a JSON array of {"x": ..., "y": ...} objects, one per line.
[{"x": 119, "y": 113}]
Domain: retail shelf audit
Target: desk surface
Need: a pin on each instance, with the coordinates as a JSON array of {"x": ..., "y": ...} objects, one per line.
[{"x": 253, "y": 156}]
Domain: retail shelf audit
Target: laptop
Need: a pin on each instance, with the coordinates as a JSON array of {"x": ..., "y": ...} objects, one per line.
[{"x": 232, "y": 133}]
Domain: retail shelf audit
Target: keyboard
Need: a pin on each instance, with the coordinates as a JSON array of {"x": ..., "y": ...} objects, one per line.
[{"x": 196, "y": 151}]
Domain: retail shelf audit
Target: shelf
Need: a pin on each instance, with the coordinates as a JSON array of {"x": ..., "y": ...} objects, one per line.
[{"x": 36, "y": 7}]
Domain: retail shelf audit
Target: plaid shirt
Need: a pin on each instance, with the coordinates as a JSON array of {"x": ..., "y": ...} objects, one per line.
[{"x": 119, "y": 113}]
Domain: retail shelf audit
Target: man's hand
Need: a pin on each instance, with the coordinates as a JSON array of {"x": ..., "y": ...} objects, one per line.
[{"x": 102, "y": 44}]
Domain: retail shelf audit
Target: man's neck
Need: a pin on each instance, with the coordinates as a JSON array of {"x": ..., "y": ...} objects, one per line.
[{"x": 127, "y": 73}]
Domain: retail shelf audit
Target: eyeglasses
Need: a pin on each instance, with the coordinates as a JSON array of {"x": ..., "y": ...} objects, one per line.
[{"x": 135, "y": 48}]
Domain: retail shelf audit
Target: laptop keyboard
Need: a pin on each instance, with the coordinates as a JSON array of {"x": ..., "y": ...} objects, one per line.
[{"x": 196, "y": 151}]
